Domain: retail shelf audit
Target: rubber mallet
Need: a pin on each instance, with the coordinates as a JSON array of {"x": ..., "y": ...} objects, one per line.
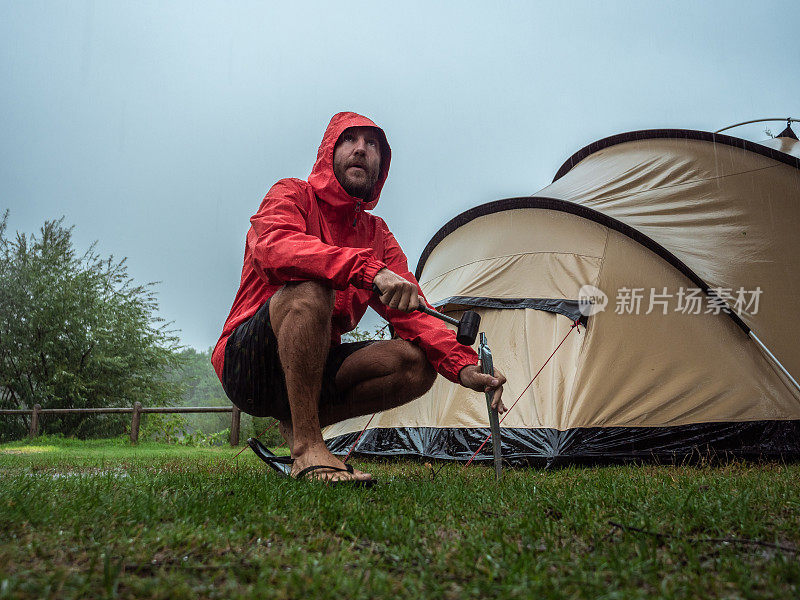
[{"x": 468, "y": 324}]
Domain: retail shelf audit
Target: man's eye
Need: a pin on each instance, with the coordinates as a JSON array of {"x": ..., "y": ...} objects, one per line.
[{"x": 372, "y": 142}]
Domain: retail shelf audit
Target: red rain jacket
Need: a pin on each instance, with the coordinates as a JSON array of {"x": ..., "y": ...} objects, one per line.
[{"x": 315, "y": 231}]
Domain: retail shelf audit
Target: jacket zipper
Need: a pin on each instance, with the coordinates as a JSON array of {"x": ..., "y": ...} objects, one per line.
[{"x": 355, "y": 216}]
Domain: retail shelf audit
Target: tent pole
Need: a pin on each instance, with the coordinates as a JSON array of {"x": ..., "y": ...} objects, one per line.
[
  {"x": 754, "y": 337},
  {"x": 787, "y": 119},
  {"x": 487, "y": 366}
]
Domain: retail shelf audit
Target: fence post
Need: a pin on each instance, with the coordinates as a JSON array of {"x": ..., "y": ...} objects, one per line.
[
  {"x": 34, "y": 431},
  {"x": 236, "y": 417},
  {"x": 135, "y": 419}
]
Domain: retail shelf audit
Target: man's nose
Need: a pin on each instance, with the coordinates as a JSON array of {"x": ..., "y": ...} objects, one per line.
[{"x": 360, "y": 145}]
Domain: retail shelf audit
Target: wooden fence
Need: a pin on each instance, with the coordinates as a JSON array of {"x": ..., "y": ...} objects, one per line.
[{"x": 136, "y": 415}]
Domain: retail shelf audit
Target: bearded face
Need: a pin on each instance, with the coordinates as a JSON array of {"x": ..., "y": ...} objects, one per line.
[{"x": 357, "y": 161}]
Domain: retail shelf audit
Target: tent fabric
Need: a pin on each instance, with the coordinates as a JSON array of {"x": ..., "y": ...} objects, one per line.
[
  {"x": 717, "y": 139},
  {"x": 730, "y": 214},
  {"x": 674, "y": 213},
  {"x": 575, "y": 209}
]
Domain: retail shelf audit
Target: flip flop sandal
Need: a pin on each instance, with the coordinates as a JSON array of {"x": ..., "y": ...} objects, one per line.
[
  {"x": 281, "y": 464},
  {"x": 366, "y": 483}
]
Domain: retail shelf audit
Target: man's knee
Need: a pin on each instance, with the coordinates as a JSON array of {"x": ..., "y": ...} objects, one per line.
[
  {"x": 415, "y": 368},
  {"x": 306, "y": 299}
]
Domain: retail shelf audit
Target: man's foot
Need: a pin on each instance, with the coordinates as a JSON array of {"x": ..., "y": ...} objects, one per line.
[{"x": 320, "y": 455}]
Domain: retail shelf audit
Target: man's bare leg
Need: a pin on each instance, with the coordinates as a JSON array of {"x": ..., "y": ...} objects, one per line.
[
  {"x": 285, "y": 427},
  {"x": 378, "y": 377},
  {"x": 300, "y": 315}
]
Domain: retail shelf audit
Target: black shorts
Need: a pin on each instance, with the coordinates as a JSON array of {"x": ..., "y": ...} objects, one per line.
[{"x": 252, "y": 375}]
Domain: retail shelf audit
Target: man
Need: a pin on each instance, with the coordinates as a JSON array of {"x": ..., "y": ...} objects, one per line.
[{"x": 313, "y": 258}]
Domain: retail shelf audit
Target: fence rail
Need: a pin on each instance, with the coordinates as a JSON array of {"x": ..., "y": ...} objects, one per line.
[{"x": 136, "y": 415}]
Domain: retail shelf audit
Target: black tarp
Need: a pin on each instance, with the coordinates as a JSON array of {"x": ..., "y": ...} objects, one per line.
[{"x": 590, "y": 445}]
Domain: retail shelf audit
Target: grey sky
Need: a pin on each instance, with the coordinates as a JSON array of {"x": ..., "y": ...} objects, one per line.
[{"x": 156, "y": 128}]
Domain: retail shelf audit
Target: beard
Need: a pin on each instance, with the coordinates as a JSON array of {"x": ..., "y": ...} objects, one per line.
[{"x": 357, "y": 189}]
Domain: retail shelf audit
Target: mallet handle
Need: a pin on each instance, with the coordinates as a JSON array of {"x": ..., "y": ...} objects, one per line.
[
  {"x": 437, "y": 314},
  {"x": 428, "y": 311}
]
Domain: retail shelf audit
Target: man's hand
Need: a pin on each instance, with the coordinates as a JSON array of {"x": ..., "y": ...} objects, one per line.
[
  {"x": 396, "y": 292},
  {"x": 471, "y": 377}
]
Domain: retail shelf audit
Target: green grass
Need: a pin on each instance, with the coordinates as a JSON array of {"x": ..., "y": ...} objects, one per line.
[{"x": 105, "y": 520}]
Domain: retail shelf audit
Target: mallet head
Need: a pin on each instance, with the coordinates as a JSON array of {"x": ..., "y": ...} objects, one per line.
[{"x": 468, "y": 327}]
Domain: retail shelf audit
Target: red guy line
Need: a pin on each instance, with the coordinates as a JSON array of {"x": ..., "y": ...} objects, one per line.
[
  {"x": 270, "y": 426},
  {"x": 359, "y": 437},
  {"x": 574, "y": 325}
]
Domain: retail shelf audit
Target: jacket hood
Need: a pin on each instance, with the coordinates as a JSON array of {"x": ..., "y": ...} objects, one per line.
[{"x": 322, "y": 178}]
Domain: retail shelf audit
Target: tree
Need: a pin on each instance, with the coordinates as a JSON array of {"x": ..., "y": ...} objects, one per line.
[
  {"x": 362, "y": 335},
  {"x": 200, "y": 387},
  {"x": 75, "y": 332}
]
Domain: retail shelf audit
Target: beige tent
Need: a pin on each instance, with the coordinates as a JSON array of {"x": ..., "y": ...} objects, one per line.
[{"x": 692, "y": 238}]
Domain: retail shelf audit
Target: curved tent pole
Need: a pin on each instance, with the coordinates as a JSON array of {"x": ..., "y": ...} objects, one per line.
[
  {"x": 788, "y": 120},
  {"x": 680, "y": 134}
]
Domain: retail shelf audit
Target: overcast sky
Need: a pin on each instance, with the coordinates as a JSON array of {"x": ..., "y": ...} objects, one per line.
[{"x": 156, "y": 128}]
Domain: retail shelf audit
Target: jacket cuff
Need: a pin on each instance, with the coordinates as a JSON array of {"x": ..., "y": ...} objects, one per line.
[
  {"x": 451, "y": 367},
  {"x": 368, "y": 273}
]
